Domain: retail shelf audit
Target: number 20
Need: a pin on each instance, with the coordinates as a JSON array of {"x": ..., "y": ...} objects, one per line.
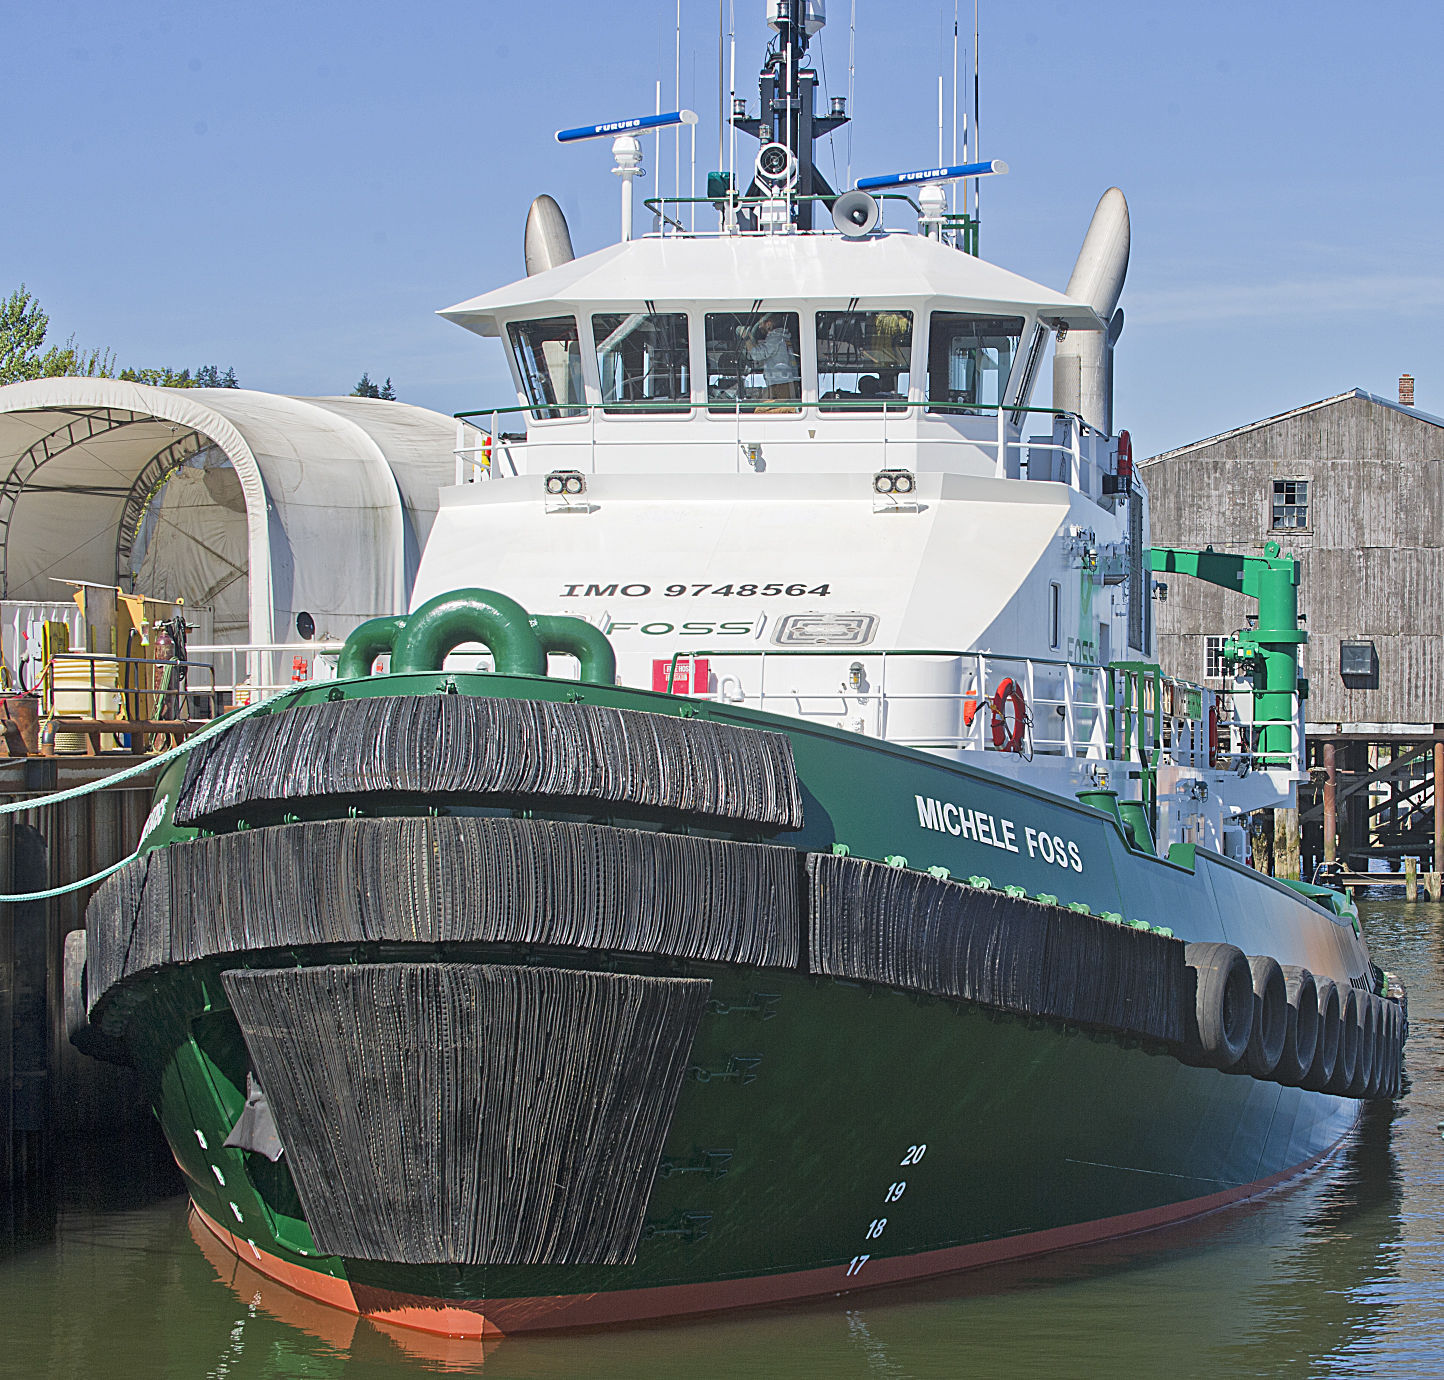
[{"x": 914, "y": 1155}]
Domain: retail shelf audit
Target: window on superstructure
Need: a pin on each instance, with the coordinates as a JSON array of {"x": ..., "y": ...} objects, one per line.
[
  {"x": 1213, "y": 662},
  {"x": 1055, "y": 615},
  {"x": 642, "y": 360},
  {"x": 969, "y": 359},
  {"x": 864, "y": 360},
  {"x": 1290, "y": 505},
  {"x": 549, "y": 358},
  {"x": 753, "y": 362}
]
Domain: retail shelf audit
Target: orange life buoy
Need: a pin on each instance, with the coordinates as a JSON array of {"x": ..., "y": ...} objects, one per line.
[
  {"x": 1125, "y": 457},
  {"x": 1005, "y": 738}
]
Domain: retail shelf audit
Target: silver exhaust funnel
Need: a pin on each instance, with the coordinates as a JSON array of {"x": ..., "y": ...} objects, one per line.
[
  {"x": 548, "y": 241},
  {"x": 1083, "y": 360}
]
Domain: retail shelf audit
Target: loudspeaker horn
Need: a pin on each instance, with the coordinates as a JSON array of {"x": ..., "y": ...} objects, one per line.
[{"x": 855, "y": 214}]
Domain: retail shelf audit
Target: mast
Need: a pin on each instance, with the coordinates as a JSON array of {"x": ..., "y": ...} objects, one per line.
[{"x": 788, "y": 90}]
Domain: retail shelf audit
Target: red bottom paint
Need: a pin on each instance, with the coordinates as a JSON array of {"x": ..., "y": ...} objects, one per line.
[{"x": 497, "y": 1317}]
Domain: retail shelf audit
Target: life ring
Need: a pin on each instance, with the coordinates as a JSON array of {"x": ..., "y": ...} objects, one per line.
[{"x": 1007, "y": 739}]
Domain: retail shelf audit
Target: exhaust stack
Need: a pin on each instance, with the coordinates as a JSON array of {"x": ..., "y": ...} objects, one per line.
[
  {"x": 1083, "y": 361},
  {"x": 548, "y": 241}
]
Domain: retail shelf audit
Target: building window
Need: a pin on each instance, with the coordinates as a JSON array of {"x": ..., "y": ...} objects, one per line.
[
  {"x": 1055, "y": 614},
  {"x": 1213, "y": 666},
  {"x": 1291, "y": 504}
]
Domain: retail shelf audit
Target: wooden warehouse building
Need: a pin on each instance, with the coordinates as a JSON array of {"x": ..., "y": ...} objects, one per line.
[{"x": 1354, "y": 486}]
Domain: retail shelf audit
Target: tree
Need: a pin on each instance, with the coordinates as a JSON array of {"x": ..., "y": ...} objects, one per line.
[
  {"x": 23, "y": 327},
  {"x": 366, "y": 389}
]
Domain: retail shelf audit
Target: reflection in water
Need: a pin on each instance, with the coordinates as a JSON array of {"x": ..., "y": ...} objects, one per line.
[{"x": 1339, "y": 1275}]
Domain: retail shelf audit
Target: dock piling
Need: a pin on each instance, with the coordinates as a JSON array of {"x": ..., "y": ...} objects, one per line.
[{"x": 1411, "y": 879}]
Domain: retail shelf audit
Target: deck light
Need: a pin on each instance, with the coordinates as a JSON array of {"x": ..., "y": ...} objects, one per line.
[
  {"x": 568, "y": 482},
  {"x": 893, "y": 482}
]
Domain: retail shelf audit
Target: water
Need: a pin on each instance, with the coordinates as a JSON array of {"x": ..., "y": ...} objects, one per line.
[{"x": 1342, "y": 1275}]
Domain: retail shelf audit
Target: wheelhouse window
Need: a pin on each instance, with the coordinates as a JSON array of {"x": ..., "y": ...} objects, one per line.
[
  {"x": 864, "y": 360},
  {"x": 642, "y": 358},
  {"x": 549, "y": 356},
  {"x": 1290, "y": 505},
  {"x": 969, "y": 359},
  {"x": 753, "y": 362}
]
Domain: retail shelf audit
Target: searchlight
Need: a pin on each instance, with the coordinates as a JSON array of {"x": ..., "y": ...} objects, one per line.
[{"x": 627, "y": 148}]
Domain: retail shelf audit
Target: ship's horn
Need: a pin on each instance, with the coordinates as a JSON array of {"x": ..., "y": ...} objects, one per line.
[
  {"x": 548, "y": 241},
  {"x": 1083, "y": 362}
]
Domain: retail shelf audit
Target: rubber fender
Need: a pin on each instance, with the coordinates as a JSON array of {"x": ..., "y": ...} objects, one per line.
[
  {"x": 1218, "y": 1034},
  {"x": 1397, "y": 1026},
  {"x": 1347, "y": 1063},
  {"x": 72, "y": 980},
  {"x": 1301, "y": 1030},
  {"x": 1387, "y": 1059},
  {"x": 1326, "y": 1052},
  {"x": 1371, "y": 1046},
  {"x": 1388, "y": 1052},
  {"x": 1270, "y": 1016}
]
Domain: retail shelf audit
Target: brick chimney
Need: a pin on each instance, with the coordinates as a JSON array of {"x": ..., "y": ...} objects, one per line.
[{"x": 1406, "y": 390}]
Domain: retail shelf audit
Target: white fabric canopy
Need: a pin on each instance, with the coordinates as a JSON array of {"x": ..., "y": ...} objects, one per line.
[{"x": 259, "y": 505}]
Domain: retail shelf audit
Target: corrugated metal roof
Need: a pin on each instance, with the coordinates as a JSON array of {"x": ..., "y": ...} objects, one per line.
[{"x": 1296, "y": 412}]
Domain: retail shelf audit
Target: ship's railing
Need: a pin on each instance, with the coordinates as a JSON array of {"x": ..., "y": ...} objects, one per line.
[
  {"x": 103, "y": 700},
  {"x": 1160, "y": 718},
  {"x": 243, "y": 672},
  {"x": 958, "y": 229},
  {"x": 1072, "y": 452},
  {"x": 967, "y": 701},
  {"x": 927, "y": 699}
]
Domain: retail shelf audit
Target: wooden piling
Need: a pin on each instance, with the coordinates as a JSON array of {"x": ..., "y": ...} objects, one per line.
[
  {"x": 1286, "y": 844},
  {"x": 1260, "y": 838},
  {"x": 1411, "y": 879},
  {"x": 1434, "y": 885},
  {"x": 1438, "y": 807},
  {"x": 1331, "y": 806}
]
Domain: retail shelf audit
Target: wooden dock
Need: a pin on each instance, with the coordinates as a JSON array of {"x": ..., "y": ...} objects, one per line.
[{"x": 1410, "y": 879}]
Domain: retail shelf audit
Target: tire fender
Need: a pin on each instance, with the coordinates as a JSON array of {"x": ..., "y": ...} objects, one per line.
[
  {"x": 1326, "y": 1051},
  {"x": 1301, "y": 1031},
  {"x": 1221, "y": 1021},
  {"x": 1347, "y": 1064},
  {"x": 1270, "y": 1016}
]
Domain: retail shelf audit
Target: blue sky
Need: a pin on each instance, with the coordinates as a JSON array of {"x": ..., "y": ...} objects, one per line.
[{"x": 293, "y": 189}]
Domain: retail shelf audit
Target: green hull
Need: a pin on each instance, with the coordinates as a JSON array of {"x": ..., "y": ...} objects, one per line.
[{"x": 828, "y": 1134}]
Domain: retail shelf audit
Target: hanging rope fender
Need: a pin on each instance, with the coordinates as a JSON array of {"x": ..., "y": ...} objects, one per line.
[{"x": 1009, "y": 738}]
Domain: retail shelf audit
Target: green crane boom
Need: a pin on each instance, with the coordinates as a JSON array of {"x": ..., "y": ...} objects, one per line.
[{"x": 1272, "y": 647}]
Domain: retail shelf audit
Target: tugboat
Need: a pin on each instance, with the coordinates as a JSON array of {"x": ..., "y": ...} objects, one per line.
[{"x": 801, "y": 878}]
